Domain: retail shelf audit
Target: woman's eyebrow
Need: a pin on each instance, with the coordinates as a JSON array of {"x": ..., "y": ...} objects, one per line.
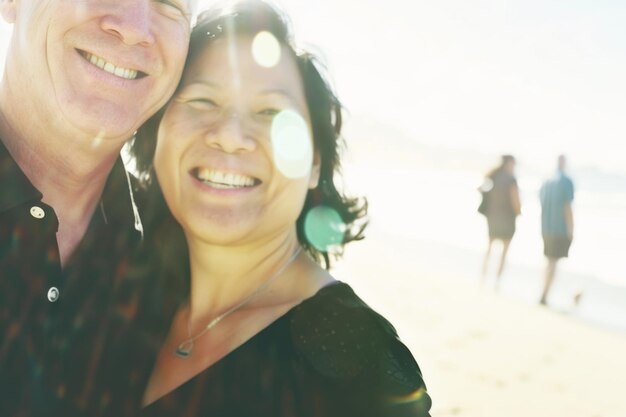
[
  {"x": 277, "y": 91},
  {"x": 202, "y": 83}
]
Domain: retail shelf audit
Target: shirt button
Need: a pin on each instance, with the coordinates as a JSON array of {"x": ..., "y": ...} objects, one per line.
[
  {"x": 53, "y": 294},
  {"x": 37, "y": 212}
]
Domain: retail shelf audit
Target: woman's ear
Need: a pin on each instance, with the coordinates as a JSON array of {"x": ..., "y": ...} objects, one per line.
[
  {"x": 314, "y": 179},
  {"x": 7, "y": 9}
]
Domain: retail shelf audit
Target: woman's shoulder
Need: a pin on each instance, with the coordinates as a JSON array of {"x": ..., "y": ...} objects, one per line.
[
  {"x": 342, "y": 337},
  {"x": 336, "y": 312}
]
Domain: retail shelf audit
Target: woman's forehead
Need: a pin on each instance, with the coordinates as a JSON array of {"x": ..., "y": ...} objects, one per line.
[{"x": 233, "y": 59}]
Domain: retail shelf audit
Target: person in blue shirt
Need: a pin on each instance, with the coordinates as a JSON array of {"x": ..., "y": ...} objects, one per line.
[{"x": 557, "y": 221}]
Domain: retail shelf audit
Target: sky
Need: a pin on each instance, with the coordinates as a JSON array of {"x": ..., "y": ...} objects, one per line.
[
  {"x": 527, "y": 77},
  {"x": 530, "y": 77}
]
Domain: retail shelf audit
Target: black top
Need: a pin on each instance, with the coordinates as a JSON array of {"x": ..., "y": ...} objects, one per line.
[
  {"x": 61, "y": 331},
  {"x": 329, "y": 356},
  {"x": 499, "y": 203},
  {"x": 500, "y": 212}
]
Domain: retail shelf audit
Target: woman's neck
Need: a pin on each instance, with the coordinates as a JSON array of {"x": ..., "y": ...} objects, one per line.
[{"x": 223, "y": 276}]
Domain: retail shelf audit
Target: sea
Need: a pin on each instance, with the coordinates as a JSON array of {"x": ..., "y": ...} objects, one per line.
[{"x": 423, "y": 195}]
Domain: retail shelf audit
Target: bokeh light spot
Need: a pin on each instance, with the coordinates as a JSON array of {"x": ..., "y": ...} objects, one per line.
[
  {"x": 415, "y": 397},
  {"x": 486, "y": 186},
  {"x": 291, "y": 144},
  {"x": 97, "y": 141},
  {"x": 324, "y": 228},
  {"x": 266, "y": 49}
]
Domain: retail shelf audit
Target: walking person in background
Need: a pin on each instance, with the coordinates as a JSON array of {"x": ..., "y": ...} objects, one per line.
[
  {"x": 557, "y": 221},
  {"x": 501, "y": 207}
]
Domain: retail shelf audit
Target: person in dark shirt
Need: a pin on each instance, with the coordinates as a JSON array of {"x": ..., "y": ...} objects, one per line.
[
  {"x": 80, "y": 78},
  {"x": 502, "y": 206},
  {"x": 246, "y": 158}
]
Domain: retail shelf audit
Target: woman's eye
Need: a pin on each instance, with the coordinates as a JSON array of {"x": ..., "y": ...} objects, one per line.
[
  {"x": 269, "y": 112},
  {"x": 202, "y": 102}
]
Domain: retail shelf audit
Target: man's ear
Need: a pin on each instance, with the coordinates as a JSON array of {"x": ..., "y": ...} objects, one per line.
[
  {"x": 315, "y": 170},
  {"x": 7, "y": 9}
]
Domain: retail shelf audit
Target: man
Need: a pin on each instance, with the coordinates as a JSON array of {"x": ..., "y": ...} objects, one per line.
[
  {"x": 80, "y": 77},
  {"x": 557, "y": 221}
]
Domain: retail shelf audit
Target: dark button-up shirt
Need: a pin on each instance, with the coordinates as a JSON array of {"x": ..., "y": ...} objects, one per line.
[{"x": 68, "y": 338}]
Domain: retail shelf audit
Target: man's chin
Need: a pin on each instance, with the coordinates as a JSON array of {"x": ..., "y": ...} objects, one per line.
[{"x": 104, "y": 128}]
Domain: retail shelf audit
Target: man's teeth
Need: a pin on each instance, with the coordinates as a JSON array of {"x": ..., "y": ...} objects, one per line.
[
  {"x": 129, "y": 74},
  {"x": 219, "y": 179}
]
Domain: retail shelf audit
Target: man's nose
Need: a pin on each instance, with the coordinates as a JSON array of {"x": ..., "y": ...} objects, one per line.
[{"x": 130, "y": 21}]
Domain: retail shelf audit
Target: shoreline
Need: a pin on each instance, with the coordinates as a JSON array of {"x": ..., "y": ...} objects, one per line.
[
  {"x": 601, "y": 305},
  {"x": 484, "y": 354}
]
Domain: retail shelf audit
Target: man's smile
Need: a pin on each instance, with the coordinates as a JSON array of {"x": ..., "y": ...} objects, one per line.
[{"x": 127, "y": 73}]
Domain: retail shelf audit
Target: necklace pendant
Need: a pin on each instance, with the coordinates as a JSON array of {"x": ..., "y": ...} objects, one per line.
[{"x": 183, "y": 351}]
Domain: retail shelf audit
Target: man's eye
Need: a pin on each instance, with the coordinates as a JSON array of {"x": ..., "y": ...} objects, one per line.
[
  {"x": 171, "y": 3},
  {"x": 174, "y": 5}
]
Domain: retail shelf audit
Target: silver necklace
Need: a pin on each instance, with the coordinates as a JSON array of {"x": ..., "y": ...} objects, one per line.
[{"x": 185, "y": 349}]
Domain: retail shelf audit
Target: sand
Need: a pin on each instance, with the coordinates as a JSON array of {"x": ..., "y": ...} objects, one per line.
[{"x": 483, "y": 354}]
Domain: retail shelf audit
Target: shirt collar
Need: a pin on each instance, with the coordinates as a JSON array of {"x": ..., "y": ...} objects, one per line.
[
  {"x": 15, "y": 187},
  {"x": 117, "y": 204}
]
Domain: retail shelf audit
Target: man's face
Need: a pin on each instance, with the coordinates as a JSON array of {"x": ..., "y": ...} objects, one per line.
[{"x": 101, "y": 67}]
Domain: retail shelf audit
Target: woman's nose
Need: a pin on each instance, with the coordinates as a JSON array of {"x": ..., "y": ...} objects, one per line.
[{"x": 229, "y": 135}]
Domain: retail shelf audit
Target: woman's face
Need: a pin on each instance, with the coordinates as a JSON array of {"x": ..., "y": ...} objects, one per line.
[{"x": 234, "y": 154}]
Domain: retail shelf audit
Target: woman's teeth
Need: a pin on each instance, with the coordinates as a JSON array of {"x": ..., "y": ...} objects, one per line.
[{"x": 218, "y": 179}]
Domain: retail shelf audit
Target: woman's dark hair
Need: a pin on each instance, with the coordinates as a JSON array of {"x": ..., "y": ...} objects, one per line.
[
  {"x": 504, "y": 160},
  {"x": 249, "y": 17}
]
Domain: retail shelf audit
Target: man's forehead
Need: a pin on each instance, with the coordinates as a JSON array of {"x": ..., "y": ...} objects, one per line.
[{"x": 192, "y": 6}]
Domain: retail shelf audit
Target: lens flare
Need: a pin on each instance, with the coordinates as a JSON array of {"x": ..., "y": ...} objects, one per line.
[
  {"x": 97, "y": 141},
  {"x": 266, "y": 49},
  {"x": 414, "y": 397},
  {"x": 324, "y": 228},
  {"x": 486, "y": 186},
  {"x": 291, "y": 144}
]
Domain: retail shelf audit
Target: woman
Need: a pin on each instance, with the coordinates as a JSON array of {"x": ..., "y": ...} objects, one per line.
[
  {"x": 501, "y": 208},
  {"x": 246, "y": 155}
]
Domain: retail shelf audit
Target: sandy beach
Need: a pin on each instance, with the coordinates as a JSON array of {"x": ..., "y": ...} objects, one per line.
[{"x": 482, "y": 354}]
